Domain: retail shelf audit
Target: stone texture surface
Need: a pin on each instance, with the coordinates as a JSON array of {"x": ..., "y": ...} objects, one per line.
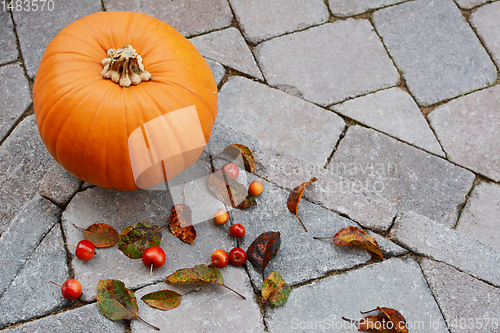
[
  {"x": 8, "y": 45},
  {"x": 58, "y": 185},
  {"x": 409, "y": 177},
  {"x": 358, "y": 202},
  {"x": 344, "y": 8},
  {"x": 24, "y": 160},
  {"x": 260, "y": 19},
  {"x": 87, "y": 318},
  {"x": 350, "y": 62},
  {"x": 468, "y": 131},
  {"x": 468, "y": 4},
  {"x": 187, "y": 16},
  {"x": 432, "y": 239},
  {"x": 15, "y": 96},
  {"x": 223, "y": 136},
  {"x": 31, "y": 294},
  {"x": 280, "y": 121},
  {"x": 229, "y": 48},
  {"x": 28, "y": 228},
  {"x": 435, "y": 48},
  {"x": 465, "y": 301},
  {"x": 122, "y": 209},
  {"x": 479, "y": 219},
  {"x": 395, "y": 283},
  {"x": 211, "y": 309},
  {"x": 300, "y": 258},
  {"x": 394, "y": 112},
  {"x": 36, "y": 29},
  {"x": 485, "y": 20},
  {"x": 218, "y": 70}
]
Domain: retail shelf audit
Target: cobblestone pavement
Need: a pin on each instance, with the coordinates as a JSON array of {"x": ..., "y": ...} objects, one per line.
[{"x": 394, "y": 105}]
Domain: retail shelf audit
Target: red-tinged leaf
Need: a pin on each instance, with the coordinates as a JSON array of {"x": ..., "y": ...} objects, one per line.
[
  {"x": 246, "y": 153},
  {"x": 135, "y": 239},
  {"x": 376, "y": 324},
  {"x": 357, "y": 237},
  {"x": 101, "y": 234},
  {"x": 263, "y": 249},
  {"x": 117, "y": 302},
  {"x": 163, "y": 299},
  {"x": 275, "y": 290},
  {"x": 296, "y": 195},
  {"x": 181, "y": 223},
  {"x": 398, "y": 320},
  {"x": 199, "y": 274},
  {"x": 229, "y": 191}
]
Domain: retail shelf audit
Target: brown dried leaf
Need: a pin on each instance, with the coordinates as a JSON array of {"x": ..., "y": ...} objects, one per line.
[
  {"x": 181, "y": 223},
  {"x": 376, "y": 324},
  {"x": 263, "y": 249},
  {"x": 397, "y": 319},
  {"x": 248, "y": 158},
  {"x": 357, "y": 237},
  {"x": 296, "y": 195},
  {"x": 229, "y": 191},
  {"x": 101, "y": 235}
]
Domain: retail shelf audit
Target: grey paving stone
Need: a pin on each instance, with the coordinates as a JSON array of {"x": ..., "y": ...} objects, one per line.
[
  {"x": 485, "y": 20},
  {"x": 395, "y": 283},
  {"x": 339, "y": 194},
  {"x": 468, "y": 131},
  {"x": 31, "y": 294},
  {"x": 188, "y": 17},
  {"x": 435, "y": 49},
  {"x": 300, "y": 258},
  {"x": 122, "y": 209},
  {"x": 8, "y": 45},
  {"x": 58, "y": 185},
  {"x": 28, "y": 228},
  {"x": 24, "y": 160},
  {"x": 409, "y": 177},
  {"x": 468, "y": 4},
  {"x": 86, "y": 186},
  {"x": 15, "y": 96},
  {"x": 36, "y": 29},
  {"x": 87, "y": 318},
  {"x": 394, "y": 112},
  {"x": 465, "y": 302},
  {"x": 223, "y": 136},
  {"x": 350, "y": 62},
  {"x": 279, "y": 121},
  {"x": 229, "y": 48},
  {"x": 345, "y": 8},
  {"x": 213, "y": 308},
  {"x": 261, "y": 19},
  {"x": 432, "y": 239},
  {"x": 217, "y": 70},
  {"x": 479, "y": 219}
]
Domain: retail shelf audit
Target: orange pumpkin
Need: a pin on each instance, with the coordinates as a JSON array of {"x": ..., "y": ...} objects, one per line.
[{"x": 107, "y": 127}]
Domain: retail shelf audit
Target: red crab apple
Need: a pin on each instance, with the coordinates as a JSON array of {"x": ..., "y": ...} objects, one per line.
[
  {"x": 237, "y": 256},
  {"x": 153, "y": 257},
  {"x": 237, "y": 230},
  {"x": 221, "y": 217},
  {"x": 85, "y": 250},
  {"x": 231, "y": 170},
  {"x": 219, "y": 258},
  {"x": 71, "y": 289}
]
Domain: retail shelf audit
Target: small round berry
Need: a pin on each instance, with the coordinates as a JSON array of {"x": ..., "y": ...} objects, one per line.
[
  {"x": 237, "y": 230},
  {"x": 153, "y": 255},
  {"x": 221, "y": 217},
  {"x": 231, "y": 170},
  {"x": 237, "y": 256},
  {"x": 256, "y": 188},
  {"x": 71, "y": 289},
  {"x": 85, "y": 250},
  {"x": 219, "y": 258}
]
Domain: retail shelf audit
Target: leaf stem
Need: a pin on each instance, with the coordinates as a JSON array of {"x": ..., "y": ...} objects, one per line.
[
  {"x": 81, "y": 229},
  {"x": 191, "y": 291},
  {"x": 301, "y": 221},
  {"x": 234, "y": 291},
  {"x": 145, "y": 322},
  {"x": 321, "y": 237},
  {"x": 368, "y": 311},
  {"x": 351, "y": 321}
]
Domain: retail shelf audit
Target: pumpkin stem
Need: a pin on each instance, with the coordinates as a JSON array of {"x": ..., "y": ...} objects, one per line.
[{"x": 124, "y": 66}]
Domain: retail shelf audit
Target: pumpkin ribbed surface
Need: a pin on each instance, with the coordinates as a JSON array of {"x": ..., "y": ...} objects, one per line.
[{"x": 86, "y": 121}]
